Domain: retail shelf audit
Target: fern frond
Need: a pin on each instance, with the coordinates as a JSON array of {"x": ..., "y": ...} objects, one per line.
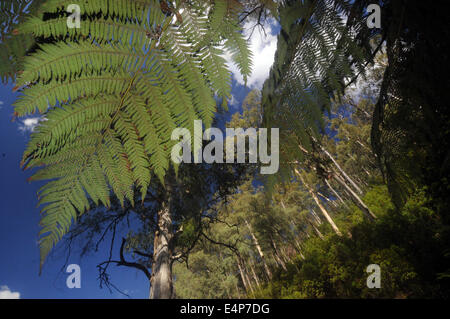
[
  {"x": 240, "y": 53},
  {"x": 43, "y": 96},
  {"x": 112, "y": 92},
  {"x": 318, "y": 53},
  {"x": 62, "y": 61}
]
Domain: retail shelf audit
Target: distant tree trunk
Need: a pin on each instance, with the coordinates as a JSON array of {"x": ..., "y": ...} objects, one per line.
[
  {"x": 317, "y": 231},
  {"x": 244, "y": 277},
  {"x": 358, "y": 200},
  {"x": 258, "y": 248},
  {"x": 282, "y": 205},
  {"x": 325, "y": 213},
  {"x": 161, "y": 285},
  {"x": 255, "y": 277},
  {"x": 288, "y": 253},
  {"x": 298, "y": 246},
  {"x": 238, "y": 291},
  {"x": 334, "y": 192},
  {"x": 302, "y": 256},
  {"x": 277, "y": 255},
  {"x": 341, "y": 170},
  {"x": 247, "y": 274},
  {"x": 322, "y": 209},
  {"x": 316, "y": 217}
]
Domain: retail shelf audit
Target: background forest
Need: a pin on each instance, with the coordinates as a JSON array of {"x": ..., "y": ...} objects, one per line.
[{"x": 364, "y": 143}]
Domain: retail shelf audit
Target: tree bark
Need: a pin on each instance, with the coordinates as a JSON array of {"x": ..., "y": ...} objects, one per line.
[
  {"x": 322, "y": 209},
  {"x": 317, "y": 231},
  {"x": 238, "y": 291},
  {"x": 316, "y": 217},
  {"x": 255, "y": 277},
  {"x": 277, "y": 255},
  {"x": 258, "y": 248},
  {"x": 357, "y": 199},
  {"x": 335, "y": 193},
  {"x": 341, "y": 170},
  {"x": 161, "y": 285},
  {"x": 244, "y": 277}
]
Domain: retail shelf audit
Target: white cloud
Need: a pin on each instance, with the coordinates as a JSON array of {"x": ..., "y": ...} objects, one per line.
[
  {"x": 29, "y": 124},
  {"x": 6, "y": 293},
  {"x": 263, "y": 46},
  {"x": 233, "y": 101}
]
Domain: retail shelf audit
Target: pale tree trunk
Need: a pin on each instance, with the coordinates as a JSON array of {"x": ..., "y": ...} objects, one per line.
[
  {"x": 358, "y": 189},
  {"x": 278, "y": 261},
  {"x": 297, "y": 245},
  {"x": 325, "y": 213},
  {"x": 247, "y": 274},
  {"x": 357, "y": 199},
  {"x": 241, "y": 272},
  {"x": 288, "y": 255},
  {"x": 238, "y": 291},
  {"x": 341, "y": 170},
  {"x": 302, "y": 256},
  {"x": 335, "y": 193},
  {"x": 244, "y": 277},
  {"x": 282, "y": 205},
  {"x": 316, "y": 217},
  {"x": 255, "y": 277},
  {"x": 258, "y": 248},
  {"x": 331, "y": 202},
  {"x": 321, "y": 207},
  {"x": 161, "y": 285},
  {"x": 277, "y": 255},
  {"x": 317, "y": 231}
]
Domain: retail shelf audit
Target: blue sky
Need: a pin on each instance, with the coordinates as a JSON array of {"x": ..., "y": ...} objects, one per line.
[{"x": 19, "y": 216}]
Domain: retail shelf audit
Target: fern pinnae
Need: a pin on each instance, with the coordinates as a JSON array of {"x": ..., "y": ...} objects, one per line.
[{"x": 112, "y": 92}]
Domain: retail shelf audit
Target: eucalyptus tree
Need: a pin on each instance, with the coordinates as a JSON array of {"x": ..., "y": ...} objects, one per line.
[{"x": 131, "y": 233}]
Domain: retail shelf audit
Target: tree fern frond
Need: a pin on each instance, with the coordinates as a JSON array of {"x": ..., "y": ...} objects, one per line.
[
  {"x": 318, "y": 52},
  {"x": 218, "y": 76},
  {"x": 240, "y": 53},
  {"x": 111, "y": 93},
  {"x": 62, "y": 61},
  {"x": 122, "y": 9}
]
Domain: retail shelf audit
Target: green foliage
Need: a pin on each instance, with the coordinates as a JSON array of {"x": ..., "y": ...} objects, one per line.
[
  {"x": 207, "y": 276},
  {"x": 307, "y": 259},
  {"x": 251, "y": 112},
  {"x": 13, "y": 47},
  {"x": 405, "y": 245},
  {"x": 113, "y": 91}
]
